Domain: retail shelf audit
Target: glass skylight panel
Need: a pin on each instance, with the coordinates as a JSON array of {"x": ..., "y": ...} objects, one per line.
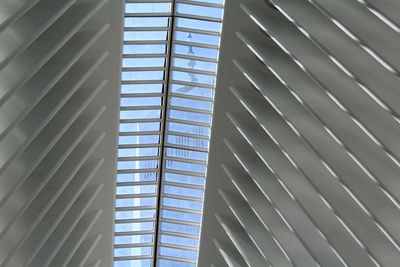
[
  {"x": 149, "y": 88},
  {"x": 149, "y": 8},
  {"x": 168, "y": 76},
  {"x": 184, "y": 89},
  {"x": 177, "y": 178}
]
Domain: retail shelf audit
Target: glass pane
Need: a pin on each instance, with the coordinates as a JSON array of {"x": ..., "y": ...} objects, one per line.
[
  {"x": 183, "y": 204},
  {"x": 141, "y": 88},
  {"x": 143, "y": 62},
  {"x": 198, "y": 10},
  {"x": 193, "y": 77},
  {"x": 198, "y": 24},
  {"x": 172, "y": 263},
  {"x": 140, "y": 101},
  {"x": 139, "y": 127},
  {"x": 137, "y": 164},
  {"x": 183, "y": 191},
  {"x": 136, "y": 189},
  {"x": 133, "y": 239},
  {"x": 129, "y": 252},
  {"x": 147, "y": 22},
  {"x": 133, "y": 49},
  {"x": 140, "y": 114},
  {"x": 135, "y": 214},
  {"x": 138, "y": 152},
  {"x": 180, "y": 228},
  {"x": 147, "y": 8},
  {"x": 136, "y": 177},
  {"x": 133, "y": 263},
  {"x": 142, "y": 75},
  {"x": 145, "y": 35},
  {"x": 185, "y": 166},
  {"x": 184, "y": 179},
  {"x": 195, "y": 51},
  {"x": 178, "y": 253},
  {"x": 196, "y": 38},
  {"x": 218, "y": 2},
  {"x": 136, "y": 202},
  {"x": 139, "y": 139},
  {"x": 186, "y": 154},
  {"x": 190, "y": 103},
  {"x": 187, "y": 128},
  {"x": 180, "y": 241},
  {"x": 180, "y": 216},
  {"x": 194, "y": 64},
  {"x": 133, "y": 227},
  {"x": 189, "y": 116},
  {"x": 187, "y": 141},
  {"x": 191, "y": 90}
]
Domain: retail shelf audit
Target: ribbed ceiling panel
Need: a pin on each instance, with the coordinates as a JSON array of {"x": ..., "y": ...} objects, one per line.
[
  {"x": 58, "y": 118},
  {"x": 305, "y": 156}
]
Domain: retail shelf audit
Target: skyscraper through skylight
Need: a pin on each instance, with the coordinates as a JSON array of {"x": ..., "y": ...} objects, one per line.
[{"x": 169, "y": 64}]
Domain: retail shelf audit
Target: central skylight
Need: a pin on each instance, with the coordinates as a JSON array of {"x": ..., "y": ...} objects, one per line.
[{"x": 169, "y": 65}]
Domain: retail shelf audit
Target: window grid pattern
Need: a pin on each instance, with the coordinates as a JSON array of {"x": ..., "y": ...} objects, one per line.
[{"x": 168, "y": 76}]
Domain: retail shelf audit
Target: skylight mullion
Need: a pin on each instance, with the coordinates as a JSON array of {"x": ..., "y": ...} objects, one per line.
[
  {"x": 191, "y": 97},
  {"x": 200, "y": 3},
  {"x": 134, "y": 208},
  {"x": 132, "y": 29},
  {"x": 135, "y": 42},
  {"x": 127, "y": 69},
  {"x": 206, "y": 32},
  {"x": 139, "y": 158},
  {"x": 139, "y": 133},
  {"x": 182, "y": 197},
  {"x": 193, "y": 84},
  {"x": 134, "y": 15},
  {"x": 134, "y": 233},
  {"x": 193, "y": 110},
  {"x": 135, "y": 220},
  {"x": 152, "y": 182},
  {"x": 211, "y": 73},
  {"x": 142, "y": 95},
  {"x": 140, "y": 108},
  {"x": 139, "y": 145},
  {"x": 182, "y": 210},
  {"x": 185, "y": 160},
  {"x": 177, "y": 240},
  {"x": 178, "y": 246},
  {"x": 171, "y": 261},
  {"x": 185, "y": 147},
  {"x": 142, "y": 82},
  {"x": 144, "y": 56},
  {"x": 195, "y": 58},
  {"x": 147, "y": 1},
  {"x": 195, "y": 44},
  {"x": 162, "y": 232},
  {"x": 186, "y": 122},
  {"x": 136, "y": 171},
  {"x": 180, "y": 222},
  {"x": 132, "y": 258},
  {"x": 182, "y": 8},
  {"x": 191, "y": 186},
  {"x": 139, "y": 120},
  {"x": 189, "y": 16},
  {"x": 134, "y": 245},
  {"x": 173, "y": 202}
]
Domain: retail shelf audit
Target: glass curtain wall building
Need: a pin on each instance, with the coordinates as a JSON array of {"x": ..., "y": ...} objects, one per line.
[{"x": 170, "y": 52}]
